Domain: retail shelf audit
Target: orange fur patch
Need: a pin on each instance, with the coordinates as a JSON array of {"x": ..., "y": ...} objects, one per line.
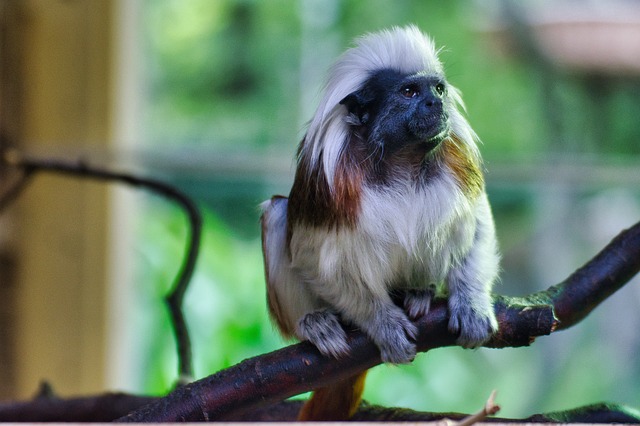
[
  {"x": 465, "y": 167},
  {"x": 312, "y": 202},
  {"x": 338, "y": 401},
  {"x": 347, "y": 188}
]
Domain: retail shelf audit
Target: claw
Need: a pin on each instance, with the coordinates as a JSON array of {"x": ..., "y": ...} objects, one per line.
[
  {"x": 473, "y": 328},
  {"x": 323, "y": 329},
  {"x": 418, "y": 301}
]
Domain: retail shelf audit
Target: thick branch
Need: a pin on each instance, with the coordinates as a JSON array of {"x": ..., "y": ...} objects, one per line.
[
  {"x": 106, "y": 407},
  {"x": 30, "y": 166},
  {"x": 272, "y": 377},
  {"x": 606, "y": 273},
  {"x": 299, "y": 368},
  {"x": 102, "y": 408}
]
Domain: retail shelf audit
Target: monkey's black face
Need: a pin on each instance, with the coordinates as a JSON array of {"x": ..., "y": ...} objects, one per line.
[{"x": 393, "y": 110}]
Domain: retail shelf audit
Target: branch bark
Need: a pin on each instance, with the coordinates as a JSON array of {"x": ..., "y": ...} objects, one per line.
[
  {"x": 102, "y": 408},
  {"x": 106, "y": 407},
  {"x": 272, "y": 377}
]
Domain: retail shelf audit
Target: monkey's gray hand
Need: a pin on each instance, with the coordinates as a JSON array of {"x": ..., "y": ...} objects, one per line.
[
  {"x": 323, "y": 329},
  {"x": 473, "y": 321},
  {"x": 418, "y": 301},
  {"x": 393, "y": 333}
]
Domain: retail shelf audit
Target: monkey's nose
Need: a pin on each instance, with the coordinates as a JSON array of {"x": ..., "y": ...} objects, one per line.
[{"x": 431, "y": 105}]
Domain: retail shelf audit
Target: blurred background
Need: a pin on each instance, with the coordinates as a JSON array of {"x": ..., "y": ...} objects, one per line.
[{"x": 213, "y": 96}]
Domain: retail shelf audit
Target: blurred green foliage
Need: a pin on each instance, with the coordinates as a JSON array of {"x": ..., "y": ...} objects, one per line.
[
  {"x": 225, "y": 305},
  {"x": 226, "y": 72},
  {"x": 229, "y": 75}
]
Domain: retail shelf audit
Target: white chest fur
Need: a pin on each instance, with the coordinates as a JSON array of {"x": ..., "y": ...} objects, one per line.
[{"x": 404, "y": 237}]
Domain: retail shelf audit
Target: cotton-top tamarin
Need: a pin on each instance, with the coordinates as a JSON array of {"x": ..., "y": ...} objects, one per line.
[{"x": 388, "y": 199}]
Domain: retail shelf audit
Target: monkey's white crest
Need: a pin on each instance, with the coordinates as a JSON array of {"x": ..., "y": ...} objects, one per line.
[{"x": 403, "y": 49}]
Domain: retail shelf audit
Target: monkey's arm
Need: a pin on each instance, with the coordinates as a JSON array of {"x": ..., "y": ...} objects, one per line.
[
  {"x": 470, "y": 306},
  {"x": 344, "y": 270}
]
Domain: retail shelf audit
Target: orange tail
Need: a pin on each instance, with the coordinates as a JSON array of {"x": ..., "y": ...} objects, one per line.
[{"x": 338, "y": 401}]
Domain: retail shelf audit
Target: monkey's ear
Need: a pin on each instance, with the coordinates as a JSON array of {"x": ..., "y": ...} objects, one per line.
[{"x": 357, "y": 106}]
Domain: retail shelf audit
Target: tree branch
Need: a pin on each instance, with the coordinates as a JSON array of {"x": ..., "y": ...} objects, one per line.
[
  {"x": 106, "y": 407},
  {"x": 272, "y": 377},
  {"x": 102, "y": 408},
  {"x": 30, "y": 166},
  {"x": 490, "y": 408}
]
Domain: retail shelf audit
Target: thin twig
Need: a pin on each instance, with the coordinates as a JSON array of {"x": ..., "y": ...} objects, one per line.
[
  {"x": 490, "y": 408},
  {"x": 30, "y": 166},
  {"x": 14, "y": 190}
]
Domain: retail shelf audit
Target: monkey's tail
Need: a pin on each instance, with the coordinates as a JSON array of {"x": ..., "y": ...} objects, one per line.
[{"x": 338, "y": 401}]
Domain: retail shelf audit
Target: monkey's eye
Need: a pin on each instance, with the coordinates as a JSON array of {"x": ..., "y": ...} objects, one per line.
[
  {"x": 410, "y": 91},
  {"x": 440, "y": 89}
]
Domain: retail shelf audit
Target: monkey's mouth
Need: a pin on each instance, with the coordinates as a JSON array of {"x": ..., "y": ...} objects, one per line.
[
  {"x": 432, "y": 129},
  {"x": 439, "y": 137}
]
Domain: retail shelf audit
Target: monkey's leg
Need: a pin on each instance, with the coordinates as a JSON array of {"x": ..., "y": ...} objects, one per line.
[
  {"x": 392, "y": 331},
  {"x": 418, "y": 301},
  {"x": 373, "y": 312},
  {"x": 323, "y": 329}
]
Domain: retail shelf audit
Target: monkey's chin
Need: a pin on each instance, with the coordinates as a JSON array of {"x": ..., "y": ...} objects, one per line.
[
  {"x": 439, "y": 137},
  {"x": 431, "y": 131},
  {"x": 431, "y": 141}
]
